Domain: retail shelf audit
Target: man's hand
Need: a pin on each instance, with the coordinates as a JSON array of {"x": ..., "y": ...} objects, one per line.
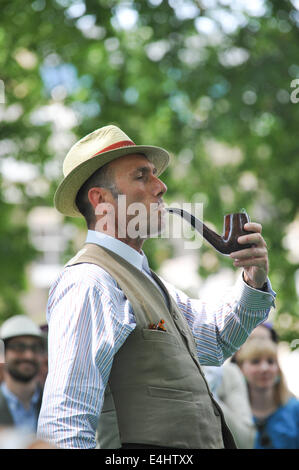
[{"x": 254, "y": 260}]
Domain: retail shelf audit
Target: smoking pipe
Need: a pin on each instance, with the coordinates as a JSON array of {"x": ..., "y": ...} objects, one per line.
[{"x": 233, "y": 228}]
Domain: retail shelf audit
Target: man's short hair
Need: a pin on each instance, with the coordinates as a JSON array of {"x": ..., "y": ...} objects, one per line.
[{"x": 102, "y": 178}]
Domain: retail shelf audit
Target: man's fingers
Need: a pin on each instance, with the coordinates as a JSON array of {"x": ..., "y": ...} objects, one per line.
[
  {"x": 253, "y": 227},
  {"x": 258, "y": 262},
  {"x": 252, "y": 238},
  {"x": 254, "y": 252}
]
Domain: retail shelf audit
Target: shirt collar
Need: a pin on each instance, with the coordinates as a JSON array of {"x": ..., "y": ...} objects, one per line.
[
  {"x": 14, "y": 399},
  {"x": 8, "y": 394},
  {"x": 139, "y": 260}
]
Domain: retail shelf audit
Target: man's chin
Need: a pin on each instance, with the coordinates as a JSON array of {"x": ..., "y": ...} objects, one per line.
[
  {"x": 154, "y": 233},
  {"x": 157, "y": 224},
  {"x": 23, "y": 376}
]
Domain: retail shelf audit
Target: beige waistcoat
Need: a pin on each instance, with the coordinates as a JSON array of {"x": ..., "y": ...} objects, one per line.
[{"x": 157, "y": 393}]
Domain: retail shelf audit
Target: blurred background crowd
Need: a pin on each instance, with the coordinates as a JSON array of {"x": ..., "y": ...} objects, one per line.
[{"x": 214, "y": 82}]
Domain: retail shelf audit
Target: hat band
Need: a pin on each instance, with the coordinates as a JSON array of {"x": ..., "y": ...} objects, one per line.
[{"x": 122, "y": 143}]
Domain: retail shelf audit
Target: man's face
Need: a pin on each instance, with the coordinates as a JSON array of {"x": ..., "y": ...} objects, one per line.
[
  {"x": 23, "y": 357},
  {"x": 135, "y": 177}
]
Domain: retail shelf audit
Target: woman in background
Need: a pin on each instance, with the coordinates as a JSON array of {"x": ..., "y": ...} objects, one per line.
[
  {"x": 275, "y": 411},
  {"x": 229, "y": 388}
]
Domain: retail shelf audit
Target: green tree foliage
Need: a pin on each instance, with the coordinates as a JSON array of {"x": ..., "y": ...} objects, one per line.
[{"x": 209, "y": 81}]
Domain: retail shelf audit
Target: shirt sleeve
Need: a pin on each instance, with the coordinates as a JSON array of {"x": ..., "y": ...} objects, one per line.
[
  {"x": 221, "y": 326},
  {"x": 86, "y": 329}
]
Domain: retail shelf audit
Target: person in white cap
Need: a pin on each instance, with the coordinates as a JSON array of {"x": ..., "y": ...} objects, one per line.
[
  {"x": 20, "y": 396},
  {"x": 125, "y": 348}
]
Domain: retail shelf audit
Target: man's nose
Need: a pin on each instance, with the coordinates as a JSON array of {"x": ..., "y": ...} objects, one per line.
[
  {"x": 160, "y": 187},
  {"x": 28, "y": 354}
]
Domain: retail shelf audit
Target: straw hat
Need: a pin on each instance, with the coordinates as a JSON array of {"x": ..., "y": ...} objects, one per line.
[{"x": 91, "y": 153}]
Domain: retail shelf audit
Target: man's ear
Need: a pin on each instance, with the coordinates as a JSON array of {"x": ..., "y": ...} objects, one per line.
[{"x": 97, "y": 196}]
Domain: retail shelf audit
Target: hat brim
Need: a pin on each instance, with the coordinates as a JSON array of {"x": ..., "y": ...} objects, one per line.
[
  {"x": 34, "y": 335},
  {"x": 66, "y": 193}
]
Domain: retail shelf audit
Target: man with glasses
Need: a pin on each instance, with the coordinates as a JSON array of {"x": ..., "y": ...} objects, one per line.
[{"x": 20, "y": 395}]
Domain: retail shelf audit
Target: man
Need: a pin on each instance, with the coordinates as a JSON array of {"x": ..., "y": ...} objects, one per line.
[
  {"x": 20, "y": 396},
  {"x": 122, "y": 346}
]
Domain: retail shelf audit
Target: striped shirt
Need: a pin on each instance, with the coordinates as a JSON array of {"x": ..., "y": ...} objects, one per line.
[{"x": 90, "y": 318}]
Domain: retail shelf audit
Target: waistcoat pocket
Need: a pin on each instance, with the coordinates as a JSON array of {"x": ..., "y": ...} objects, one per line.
[
  {"x": 170, "y": 393},
  {"x": 156, "y": 335}
]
